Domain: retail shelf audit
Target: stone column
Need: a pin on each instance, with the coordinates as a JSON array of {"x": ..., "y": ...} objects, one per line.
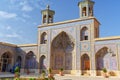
[
  {"x": 118, "y": 58},
  {"x": 22, "y": 70},
  {"x": 93, "y": 71},
  {"x": 49, "y": 48},
  {"x": 92, "y": 43},
  {"x": 78, "y": 61},
  {"x": 87, "y": 10},
  {"x": 37, "y": 64}
]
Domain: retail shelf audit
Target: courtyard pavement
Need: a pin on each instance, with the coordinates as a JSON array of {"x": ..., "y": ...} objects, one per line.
[
  {"x": 84, "y": 78},
  {"x": 66, "y": 77},
  {"x": 6, "y": 74},
  {"x": 73, "y": 77}
]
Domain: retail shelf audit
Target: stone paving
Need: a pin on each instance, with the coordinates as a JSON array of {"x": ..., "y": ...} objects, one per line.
[
  {"x": 84, "y": 78},
  {"x": 6, "y": 74},
  {"x": 73, "y": 77},
  {"x": 66, "y": 77}
]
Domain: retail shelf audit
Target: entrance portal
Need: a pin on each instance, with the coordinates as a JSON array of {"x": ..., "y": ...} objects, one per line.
[
  {"x": 85, "y": 64},
  {"x": 30, "y": 62},
  {"x": 6, "y": 62},
  {"x": 42, "y": 63},
  {"x": 61, "y": 52}
]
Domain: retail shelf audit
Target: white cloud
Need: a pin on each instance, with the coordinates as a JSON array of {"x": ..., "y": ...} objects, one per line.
[
  {"x": 10, "y": 35},
  {"x": 21, "y": 19},
  {"x": 1, "y": 35},
  {"x": 26, "y": 16},
  {"x": 13, "y": 35},
  {"x": 8, "y": 27},
  {"x": 9, "y": 32},
  {"x": 7, "y": 15},
  {"x": 23, "y": 2},
  {"x": 12, "y": 1},
  {"x": 27, "y": 8},
  {"x": 34, "y": 23},
  {"x": 29, "y": 5}
]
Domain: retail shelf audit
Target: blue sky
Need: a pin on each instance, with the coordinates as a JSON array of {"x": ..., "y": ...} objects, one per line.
[{"x": 19, "y": 18}]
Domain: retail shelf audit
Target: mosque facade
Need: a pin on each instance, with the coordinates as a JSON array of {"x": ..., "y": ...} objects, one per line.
[{"x": 73, "y": 45}]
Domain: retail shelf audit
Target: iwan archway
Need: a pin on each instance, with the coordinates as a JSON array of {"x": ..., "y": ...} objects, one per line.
[
  {"x": 105, "y": 59},
  {"x": 30, "y": 62},
  {"x": 6, "y": 62},
  {"x": 61, "y": 52}
]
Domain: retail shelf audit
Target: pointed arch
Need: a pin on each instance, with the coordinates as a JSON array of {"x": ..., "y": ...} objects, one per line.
[
  {"x": 85, "y": 64},
  {"x": 84, "y": 12},
  {"x": 42, "y": 64},
  {"x": 50, "y": 19},
  {"x": 84, "y": 60},
  {"x": 102, "y": 52},
  {"x": 63, "y": 39},
  {"x": 44, "y": 19},
  {"x": 104, "y": 59},
  {"x": 84, "y": 33},
  {"x": 91, "y": 10},
  {"x": 6, "y": 60},
  {"x": 43, "y": 38},
  {"x": 61, "y": 51},
  {"x": 30, "y": 60},
  {"x": 99, "y": 58}
]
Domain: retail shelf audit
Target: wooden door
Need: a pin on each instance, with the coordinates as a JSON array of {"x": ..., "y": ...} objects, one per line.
[{"x": 87, "y": 65}]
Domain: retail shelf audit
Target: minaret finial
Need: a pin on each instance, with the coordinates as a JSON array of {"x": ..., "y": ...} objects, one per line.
[
  {"x": 86, "y": 8},
  {"x": 47, "y": 15},
  {"x": 48, "y": 7}
]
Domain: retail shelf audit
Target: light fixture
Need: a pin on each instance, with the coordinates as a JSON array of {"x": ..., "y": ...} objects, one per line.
[
  {"x": 34, "y": 56},
  {"x": 111, "y": 52}
]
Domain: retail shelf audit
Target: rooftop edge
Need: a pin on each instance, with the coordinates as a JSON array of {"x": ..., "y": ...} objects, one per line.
[
  {"x": 108, "y": 38},
  {"x": 67, "y": 21},
  {"x": 8, "y": 44},
  {"x": 26, "y": 45}
]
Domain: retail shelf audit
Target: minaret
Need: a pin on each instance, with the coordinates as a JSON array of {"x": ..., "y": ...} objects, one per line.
[
  {"x": 86, "y": 8},
  {"x": 47, "y": 15}
]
